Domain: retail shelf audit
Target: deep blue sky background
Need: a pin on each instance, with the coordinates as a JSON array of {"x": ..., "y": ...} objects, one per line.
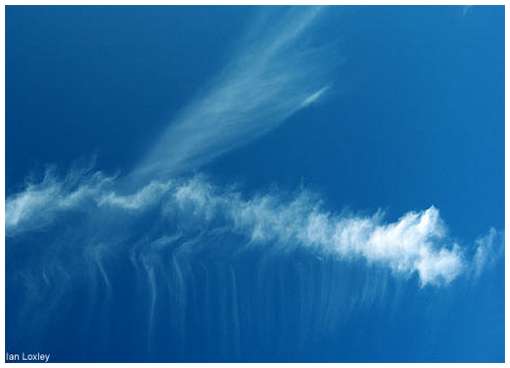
[{"x": 415, "y": 117}]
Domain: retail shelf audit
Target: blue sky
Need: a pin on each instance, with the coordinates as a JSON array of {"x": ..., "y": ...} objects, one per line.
[{"x": 255, "y": 184}]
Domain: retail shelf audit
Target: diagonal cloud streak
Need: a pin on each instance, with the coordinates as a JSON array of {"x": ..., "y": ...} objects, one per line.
[{"x": 276, "y": 72}]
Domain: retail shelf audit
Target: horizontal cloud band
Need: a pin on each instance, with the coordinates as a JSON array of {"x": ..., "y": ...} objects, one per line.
[{"x": 416, "y": 243}]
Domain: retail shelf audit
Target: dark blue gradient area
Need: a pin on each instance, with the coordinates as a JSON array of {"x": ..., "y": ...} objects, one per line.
[{"x": 404, "y": 110}]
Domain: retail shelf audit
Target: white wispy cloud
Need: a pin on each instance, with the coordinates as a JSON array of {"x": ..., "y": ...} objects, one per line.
[
  {"x": 146, "y": 196},
  {"x": 488, "y": 249},
  {"x": 417, "y": 243},
  {"x": 274, "y": 73},
  {"x": 314, "y": 97},
  {"x": 39, "y": 203}
]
